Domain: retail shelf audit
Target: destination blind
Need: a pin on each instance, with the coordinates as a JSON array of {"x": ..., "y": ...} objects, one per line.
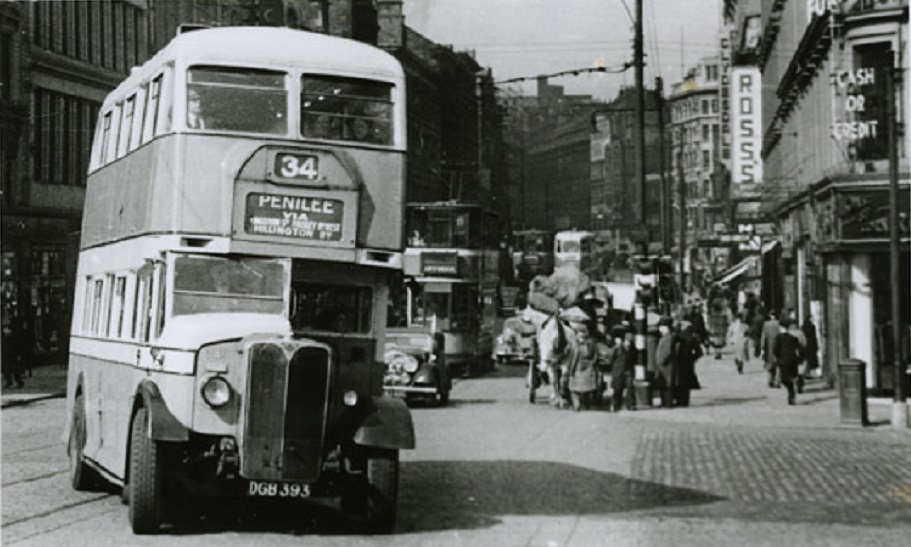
[{"x": 301, "y": 217}]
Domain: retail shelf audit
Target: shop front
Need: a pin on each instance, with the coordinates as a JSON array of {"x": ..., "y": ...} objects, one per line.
[{"x": 853, "y": 243}]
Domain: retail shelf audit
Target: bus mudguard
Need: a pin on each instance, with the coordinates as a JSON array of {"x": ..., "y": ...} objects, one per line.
[
  {"x": 386, "y": 424},
  {"x": 164, "y": 426}
]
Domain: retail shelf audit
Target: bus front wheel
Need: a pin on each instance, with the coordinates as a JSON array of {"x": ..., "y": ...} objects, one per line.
[
  {"x": 374, "y": 498},
  {"x": 145, "y": 495},
  {"x": 82, "y": 477}
]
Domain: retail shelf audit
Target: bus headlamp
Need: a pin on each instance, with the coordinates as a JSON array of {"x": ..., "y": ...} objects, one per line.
[
  {"x": 410, "y": 364},
  {"x": 216, "y": 391},
  {"x": 350, "y": 398}
]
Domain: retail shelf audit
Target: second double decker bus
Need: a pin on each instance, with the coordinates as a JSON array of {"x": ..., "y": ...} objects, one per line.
[{"x": 243, "y": 220}]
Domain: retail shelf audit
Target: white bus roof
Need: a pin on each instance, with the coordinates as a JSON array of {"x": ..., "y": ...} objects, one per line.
[{"x": 269, "y": 47}]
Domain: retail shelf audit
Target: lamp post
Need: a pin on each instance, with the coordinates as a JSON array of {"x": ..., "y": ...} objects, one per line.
[{"x": 900, "y": 405}]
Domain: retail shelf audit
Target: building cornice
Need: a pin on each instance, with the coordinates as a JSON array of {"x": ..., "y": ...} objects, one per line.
[{"x": 74, "y": 70}]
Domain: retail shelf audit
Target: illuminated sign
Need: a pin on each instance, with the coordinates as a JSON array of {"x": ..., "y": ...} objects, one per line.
[
  {"x": 746, "y": 100},
  {"x": 850, "y": 83},
  {"x": 300, "y": 217}
]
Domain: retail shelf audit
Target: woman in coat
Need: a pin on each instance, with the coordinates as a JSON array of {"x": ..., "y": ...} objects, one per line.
[
  {"x": 665, "y": 363},
  {"x": 687, "y": 352}
]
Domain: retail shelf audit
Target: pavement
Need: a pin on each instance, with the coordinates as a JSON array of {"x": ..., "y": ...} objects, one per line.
[
  {"x": 726, "y": 398},
  {"x": 46, "y": 382}
]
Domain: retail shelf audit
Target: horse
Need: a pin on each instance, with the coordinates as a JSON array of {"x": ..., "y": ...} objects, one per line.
[{"x": 556, "y": 342}]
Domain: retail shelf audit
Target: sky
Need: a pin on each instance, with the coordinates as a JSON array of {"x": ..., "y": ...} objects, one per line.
[{"x": 526, "y": 38}]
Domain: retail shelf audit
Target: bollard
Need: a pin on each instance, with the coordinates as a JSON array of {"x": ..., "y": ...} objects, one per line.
[{"x": 852, "y": 390}]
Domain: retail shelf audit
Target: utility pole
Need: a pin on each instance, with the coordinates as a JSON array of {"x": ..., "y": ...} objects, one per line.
[
  {"x": 640, "y": 119},
  {"x": 900, "y": 405},
  {"x": 681, "y": 189},
  {"x": 666, "y": 223}
]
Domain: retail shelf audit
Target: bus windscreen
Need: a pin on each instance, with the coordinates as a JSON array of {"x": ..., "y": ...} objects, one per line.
[
  {"x": 237, "y": 99},
  {"x": 223, "y": 285},
  {"x": 346, "y": 109}
]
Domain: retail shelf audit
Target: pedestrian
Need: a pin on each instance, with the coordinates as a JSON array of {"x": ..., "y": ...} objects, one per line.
[
  {"x": 687, "y": 351},
  {"x": 738, "y": 338},
  {"x": 770, "y": 330},
  {"x": 665, "y": 362},
  {"x": 622, "y": 366},
  {"x": 719, "y": 319},
  {"x": 12, "y": 356},
  {"x": 811, "y": 347},
  {"x": 756, "y": 331},
  {"x": 788, "y": 355},
  {"x": 583, "y": 365},
  {"x": 796, "y": 332},
  {"x": 698, "y": 321}
]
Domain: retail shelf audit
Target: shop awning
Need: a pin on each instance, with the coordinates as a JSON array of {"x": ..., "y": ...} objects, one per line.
[
  {"x": 769, "y": 245},
  {"x": 735, "y": 271}
]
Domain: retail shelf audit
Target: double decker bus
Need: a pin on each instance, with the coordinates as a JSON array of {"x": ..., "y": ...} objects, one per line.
[
  {"x": 576, "y": 248},
  {"x": 533, "y": 254},
  {"x": 451, "y": 268},
  {"x": 243, "y": 220}
]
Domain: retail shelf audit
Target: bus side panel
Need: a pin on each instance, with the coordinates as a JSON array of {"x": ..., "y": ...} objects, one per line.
[
  {"x": 107, "y": 391},
  {"x": 130, "y": 197},
  {"x": 382, "y": 199}
]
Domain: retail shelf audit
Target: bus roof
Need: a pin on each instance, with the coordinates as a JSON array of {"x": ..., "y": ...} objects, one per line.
[
  {"x": 450, "y": 204},
  {"x": 265, "y": 47},
  {"x": 573, "y": 234}
]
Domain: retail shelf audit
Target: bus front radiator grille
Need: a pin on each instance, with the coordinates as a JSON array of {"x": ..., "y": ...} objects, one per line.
[{"x": 285, "y": 413}]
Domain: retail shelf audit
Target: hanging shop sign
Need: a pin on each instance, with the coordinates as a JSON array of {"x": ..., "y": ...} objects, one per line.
[{"x": 724, "y": 96}]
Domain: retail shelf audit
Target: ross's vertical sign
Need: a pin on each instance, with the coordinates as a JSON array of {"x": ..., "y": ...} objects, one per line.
[
  {"x": 724, "y": 91},
  {"x": 746, "y": 121}
]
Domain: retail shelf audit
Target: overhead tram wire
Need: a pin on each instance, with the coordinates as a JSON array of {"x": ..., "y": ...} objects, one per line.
[{"x": 574, "y": 72}]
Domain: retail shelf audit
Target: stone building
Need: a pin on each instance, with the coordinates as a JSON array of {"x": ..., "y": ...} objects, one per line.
[
  {"x": 696, "y": 156},
  {"x": 825, "y": 117}
]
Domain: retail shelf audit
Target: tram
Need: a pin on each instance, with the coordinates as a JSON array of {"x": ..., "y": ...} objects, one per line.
[{"x": 451, "y": 278}]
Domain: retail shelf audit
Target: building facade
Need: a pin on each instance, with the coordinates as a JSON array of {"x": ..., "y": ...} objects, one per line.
[
  {"x": 616, "y": 195},
  {"x": 58, "y": 60},
  {"x": 827, "y": 106},
  {"x": 697, "y": 161}
]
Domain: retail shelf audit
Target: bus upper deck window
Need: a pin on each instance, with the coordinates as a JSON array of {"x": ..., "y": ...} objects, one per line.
[
  {"x": 346, "y": 109},
  {"x": 237, "y": 99}
]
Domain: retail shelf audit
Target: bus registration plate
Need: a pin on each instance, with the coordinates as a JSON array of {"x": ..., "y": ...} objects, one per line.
[{"x": 278, "y": 489}]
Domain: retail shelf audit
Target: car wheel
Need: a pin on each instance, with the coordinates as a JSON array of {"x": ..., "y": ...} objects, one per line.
[
  {"x": 146, "y": 483},
  {"x": 82, "y": 477}
]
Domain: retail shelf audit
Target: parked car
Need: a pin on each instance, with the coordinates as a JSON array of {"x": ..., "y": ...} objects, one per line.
[
  {"x": 416, "y": 366},
  {"x": 516, "y": 344}
]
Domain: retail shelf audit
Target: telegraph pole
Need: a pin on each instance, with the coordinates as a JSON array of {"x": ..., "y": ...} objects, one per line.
[
  {"x": 900, "y": 405},
  {"x": 665, "y": 224},
  {"x": 640, "y": 118},
  {"x": 681, "y": 189}
]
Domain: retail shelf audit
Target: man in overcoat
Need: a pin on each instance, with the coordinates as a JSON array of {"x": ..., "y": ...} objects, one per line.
[
  {"x": 622, "y": 367},
  {"x": 770, "y": 331},
  {"x": 788, "y": 353}
]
